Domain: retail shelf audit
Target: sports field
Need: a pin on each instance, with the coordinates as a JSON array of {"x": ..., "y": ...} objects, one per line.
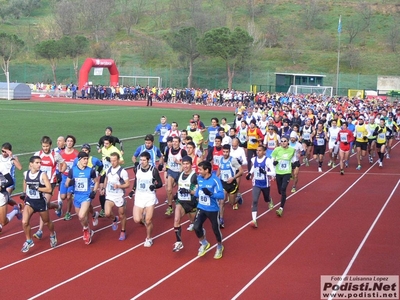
[{"x": 23, "y": 124}]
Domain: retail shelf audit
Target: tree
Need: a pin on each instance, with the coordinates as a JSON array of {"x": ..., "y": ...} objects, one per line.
[
  {"x": 74, "y": 47},
  {"x": 99, "y": 12},
  {"x": 51, "y": 50},
  {"x": 131, "y": 11},
  {"x": 10, "y": 45},
  {"x": 185, "y": 42},
  {"x": 273, "y": 31},
  {"x": 67, "y": 15},
  {"x": 394, "y": 36},
  {"x": 313, "y": 13},
  {"x": 231, "y": 46}
]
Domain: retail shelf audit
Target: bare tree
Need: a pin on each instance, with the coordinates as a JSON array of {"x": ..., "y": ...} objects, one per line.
[
  {"x": 66, "y": 14},
  {"x": 365, "y": 11},
  {"x": 352, "y": 57},
  {"x": 130, "y": 12},
  {"x": 313, "y": 13},
  {"x": 273, "y": 30},
  {"x": 354, "y": 27},
  {"x": 97, "y": 14},
  {"x": 394, "y": 36}
]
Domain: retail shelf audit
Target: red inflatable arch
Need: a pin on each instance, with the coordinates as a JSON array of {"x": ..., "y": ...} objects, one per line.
[{"x": 98, "y": 63}]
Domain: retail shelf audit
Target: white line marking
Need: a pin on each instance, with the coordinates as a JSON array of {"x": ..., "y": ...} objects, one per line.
[
  {"x": 365, "y": 238},
  {"x": 83, "y": 111},
  {"x": 298, "y": 237}
]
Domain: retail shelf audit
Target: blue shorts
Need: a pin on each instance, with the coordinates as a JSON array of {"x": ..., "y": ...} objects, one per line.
[
  {"x": 173, "y": 174},
  {"x": 63, "y": 189},
  {"x": 81, "y": 198}
]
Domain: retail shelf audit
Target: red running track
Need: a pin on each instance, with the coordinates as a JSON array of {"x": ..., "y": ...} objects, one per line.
[{"x": 332, "y": 224}]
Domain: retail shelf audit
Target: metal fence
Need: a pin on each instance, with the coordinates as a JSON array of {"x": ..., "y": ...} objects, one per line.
[{"x": 203, "y": 78}]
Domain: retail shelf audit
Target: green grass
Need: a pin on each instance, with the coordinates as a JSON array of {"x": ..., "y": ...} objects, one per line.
[{"x": 25, "y": 122}]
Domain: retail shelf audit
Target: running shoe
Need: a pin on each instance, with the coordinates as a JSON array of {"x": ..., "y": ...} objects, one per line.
[
  {"x": 67, "y": 216},
  {"x": 169, "y": 211},
  {"x": 59, "y": 211},
  {"x": 102, "y": 214},
  {"x": 358, "y": 168},
  {"x": 387, "y": 156},
  {"x": 346, "y": 164},
  {"x": 203, "y": 249},
  {"x": 53, "y": 240},
  {"x": 279, "y": 212},
  {"x": 254, "y": 224},
  {"x": 235, "y": 206},
  {"x": 333, "y": 165},
  {"x": 218, "y": 252},
  {"x": 293, "y": 190},
  {"x": 320, "y": 170},
  {"x": 122, "y": 236},
  {"x": 221, "y": 223},
  {"x": 341, "y": 172},
  {"x": 87, "y": 235},
  {"x": 380, "y": 164},
  {"x": 271, "y": 203},
  {"x": 115, "y": 224},
  {"x": 329, "y": 163},
  {"x": 95, "y": 220},
  {"x": 240, "y": 199},
  {"x": 370, "y": 159},
  {"x": 307, "y": 163},
  {"x": 38, "y": 234},
  {"x": 190, "y": 227},
  {"x": 27, "y": 245},
  {"x": 18, "y": 210},
  {"x": 148, "y": 243},
  {"x": 177, "y": 246}
]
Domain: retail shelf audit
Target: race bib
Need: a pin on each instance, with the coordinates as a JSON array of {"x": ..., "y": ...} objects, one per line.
[
  {"x": 306, "y": 136},
  {"x": 381, "y": 136},
  {"x": 211, "y": 136},
  {"x": 163, "y": 131},
  {"x": 271, "y": 144},
  {"x": 258, "y": 175},
  {"x": 284, "y": 165},
  {"x": 359, "y": 135},
  {"x": 343, "y": 138},
  {"x": 225, "y": 174},
  {"x": 81, "y": 185},
  {"x": 33, "y": 194},
  {"x": 320, "y": 142},
  {"x": 204, "y": 199}
]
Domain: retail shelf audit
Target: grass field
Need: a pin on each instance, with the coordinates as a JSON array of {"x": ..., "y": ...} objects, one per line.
[{"x": 23, "y": 123}]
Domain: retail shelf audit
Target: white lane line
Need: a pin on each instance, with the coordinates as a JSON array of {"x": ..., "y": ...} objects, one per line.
[
  {"x": 365, "y": 239},
  {"x": 298, "y": 237},
  {"x": 226, "y": 238}
]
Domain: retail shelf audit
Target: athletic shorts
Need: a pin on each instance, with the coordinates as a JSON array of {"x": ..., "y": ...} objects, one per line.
[
  {"x": 118, "y": 201},
  {"x": 295, "y": 165},
  {"x": 63, "y": 189},
  {"x": 319, "y": 150},
  {"x": 379, "y": 145},
  {"x": 370, "y": 141},
  {"x": 4, "y": 198},
  {"x": 79, "y": 199},
  {"x": 173, "y": 174},
  {"x": 146, "y": 200},
  {"x": 38, "y": 205},
  {"x": 362, "y": 145},
  {"x": 188, "y": 206},
  {"x": 230, "y": 188}
]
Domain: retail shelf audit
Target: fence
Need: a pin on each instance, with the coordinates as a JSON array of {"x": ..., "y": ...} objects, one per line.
[{"x": 214, "y": 78}]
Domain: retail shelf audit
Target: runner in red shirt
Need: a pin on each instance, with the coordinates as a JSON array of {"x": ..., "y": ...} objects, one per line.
[{"x": 345, "y": 137}]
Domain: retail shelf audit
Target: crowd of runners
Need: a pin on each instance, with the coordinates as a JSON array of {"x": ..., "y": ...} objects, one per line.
[{"x": 201, "y": 167}]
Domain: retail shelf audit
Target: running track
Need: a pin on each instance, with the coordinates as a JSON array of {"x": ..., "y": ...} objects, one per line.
[{"x": 333, "y": 225}]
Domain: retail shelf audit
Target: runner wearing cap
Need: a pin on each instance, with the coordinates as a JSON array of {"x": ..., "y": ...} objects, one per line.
[{"x": 361, "y": 134}]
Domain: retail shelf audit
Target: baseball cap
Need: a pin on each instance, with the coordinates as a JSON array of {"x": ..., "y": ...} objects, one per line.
[
  {"x": 82, "y": 155},
  {"x": 109, "y": 128},
  {"x": 361, "y": 118},
  {"x": 293, "y": 134},
  {"x": 86, "y": 146}
]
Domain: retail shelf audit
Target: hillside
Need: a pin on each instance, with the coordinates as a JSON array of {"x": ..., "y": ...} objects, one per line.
[{"x": 289, "y": 36}]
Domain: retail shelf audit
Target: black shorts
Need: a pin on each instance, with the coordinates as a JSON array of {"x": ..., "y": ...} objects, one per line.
[
  {"x": 362, "y": 145},
  {"x": 38, "y": 205},
  {"x": 379, "y": 145},
  {"x": 295, "y": 165},
  {"x": 307, "y": 143},
  {"x": 243, "y": 145},
  {"x": 319, "y": 150},
  {"x": 370, "y": 141},
  {"x": 188, "y": 206},
  {"x": 230, "y": 188}
]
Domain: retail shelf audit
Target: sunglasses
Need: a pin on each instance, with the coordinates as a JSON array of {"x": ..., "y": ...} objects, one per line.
[{"x": 285, "y": 141}]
